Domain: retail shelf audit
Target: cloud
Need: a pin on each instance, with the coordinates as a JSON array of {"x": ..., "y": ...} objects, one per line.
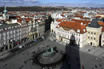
[
  {"x": 30, "y": 0},
  {"x": 18, "y": 1},
  {"x": 52, "y": 2}
]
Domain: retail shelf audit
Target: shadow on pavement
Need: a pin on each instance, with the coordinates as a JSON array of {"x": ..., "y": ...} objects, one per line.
[{"x": 72, "y": 56}]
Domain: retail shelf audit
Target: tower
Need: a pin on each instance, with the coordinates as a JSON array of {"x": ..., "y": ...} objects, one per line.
[{"x": 4, "y": 13}]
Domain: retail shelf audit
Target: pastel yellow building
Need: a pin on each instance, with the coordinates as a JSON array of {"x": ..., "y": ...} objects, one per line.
[{"x": 94, "y": 31}]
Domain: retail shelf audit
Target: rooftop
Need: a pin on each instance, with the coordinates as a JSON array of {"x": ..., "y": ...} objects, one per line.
[
  {"x": 94, "y": 23},
  {"x": 78, "y": 27}
]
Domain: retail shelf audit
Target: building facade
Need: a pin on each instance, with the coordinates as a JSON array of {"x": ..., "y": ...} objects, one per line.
[
  {"x": 63, "y": 31},
  {"x": 10, "y": 34}
]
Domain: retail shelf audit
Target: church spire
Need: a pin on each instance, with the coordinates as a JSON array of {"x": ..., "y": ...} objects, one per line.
[{"x": 4, "y": 12}]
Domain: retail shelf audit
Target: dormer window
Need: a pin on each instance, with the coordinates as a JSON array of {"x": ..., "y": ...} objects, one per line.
[
  {"x": 78, "y": 30},
  {"x": 0, "y": 24},
  {"x": 5, "y": 28},
  {"x": 84, "y": 30},
  {"x": 81, "y": 23},
  {"x": 15, "y": 26}
]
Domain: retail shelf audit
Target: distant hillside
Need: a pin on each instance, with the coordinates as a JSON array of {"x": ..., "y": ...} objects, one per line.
[{"x": 34, "y": 8}]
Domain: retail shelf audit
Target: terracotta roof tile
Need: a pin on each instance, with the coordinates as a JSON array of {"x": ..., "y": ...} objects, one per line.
[
  {"x": 81, "y": 21},
  {"x": 78, "y": 16},
  {"x": 60, "y": 20},
  {"x": 101, "y": 23},
  {"x": 18, "y": 17},
  {"x": 28, "y": 19},
  {"x": 98, "y": 16},
  {"x": 103, "y": 29},
  {"x": 19, "y": 20},
  {"x": 73, "y": 25}
]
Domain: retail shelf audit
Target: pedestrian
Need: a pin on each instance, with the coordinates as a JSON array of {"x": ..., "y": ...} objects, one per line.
[
  {"x": 95, "y": 66},
  {"x": 48, "y": 67},
  {"x": 5, "y": 64},
  {"x": 100, "y": 65},
  {"x": 25, "y": 62},
  {"x": 43, "y": 68},
  {"x": 96, "y": 58},
  {"x": 82, "y": 66},
  {"x": 21, "y": 67}
]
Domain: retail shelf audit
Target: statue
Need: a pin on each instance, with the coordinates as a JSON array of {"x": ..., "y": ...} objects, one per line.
[{"x": 49, "y": 52}]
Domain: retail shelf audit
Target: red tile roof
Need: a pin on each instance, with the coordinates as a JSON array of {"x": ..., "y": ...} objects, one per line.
[
  {"x": 73, "y": 25},
  {"x": 18, "y": 17},
  {"x": 101, "y": 23},
  {"x": 98, "y": 16},
  {"x": 78, "y": 16},
  {"x": 60, "y": 20},
  {"x": 81, "y": 21},
  {"x": 28, "y": 19},
  {"x": 19, "y": 20}
]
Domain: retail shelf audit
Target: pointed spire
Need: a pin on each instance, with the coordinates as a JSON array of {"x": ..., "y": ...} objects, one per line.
[
  {"x": 4, "y": 12},
  {"x": 5, "y": 9}
]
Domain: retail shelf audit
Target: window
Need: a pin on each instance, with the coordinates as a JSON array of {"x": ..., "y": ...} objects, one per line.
[
  {"x": 12, "y": 27},
  {"x": 88, "y": 32},
  {"x": 0, "y": 36},
  {"x": 4, "y": 34},
  {"x": 7, "y": 35},
  {"x": 94, "y": 38},
  {"x": 11, "y": 32},
  {"x": 5, "y": 28},
  {"x": 52, "y": 30},
  {"x": 4, "y": 38},
  {"x": 14, "y": 31},
  {"x": 91, "y": 32},
  {"x": 94, "y": 33}
]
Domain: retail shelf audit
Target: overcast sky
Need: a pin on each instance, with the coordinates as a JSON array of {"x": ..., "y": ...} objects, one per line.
[{"x": 50, "y": 2}]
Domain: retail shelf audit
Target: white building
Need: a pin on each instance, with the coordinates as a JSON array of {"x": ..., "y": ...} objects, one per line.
[
  {"x": 102, "y": 38},
  {"x": 62, "y": 32},
  {"x": 10, "y": 33}
]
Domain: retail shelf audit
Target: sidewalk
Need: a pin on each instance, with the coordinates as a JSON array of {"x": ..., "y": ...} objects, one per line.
[
  {"x": 7, "y": 53},
  {"x": 4, "y": 54},
  {"x": 54, "y": 39},
  {"x": 96, "y": 51}
]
